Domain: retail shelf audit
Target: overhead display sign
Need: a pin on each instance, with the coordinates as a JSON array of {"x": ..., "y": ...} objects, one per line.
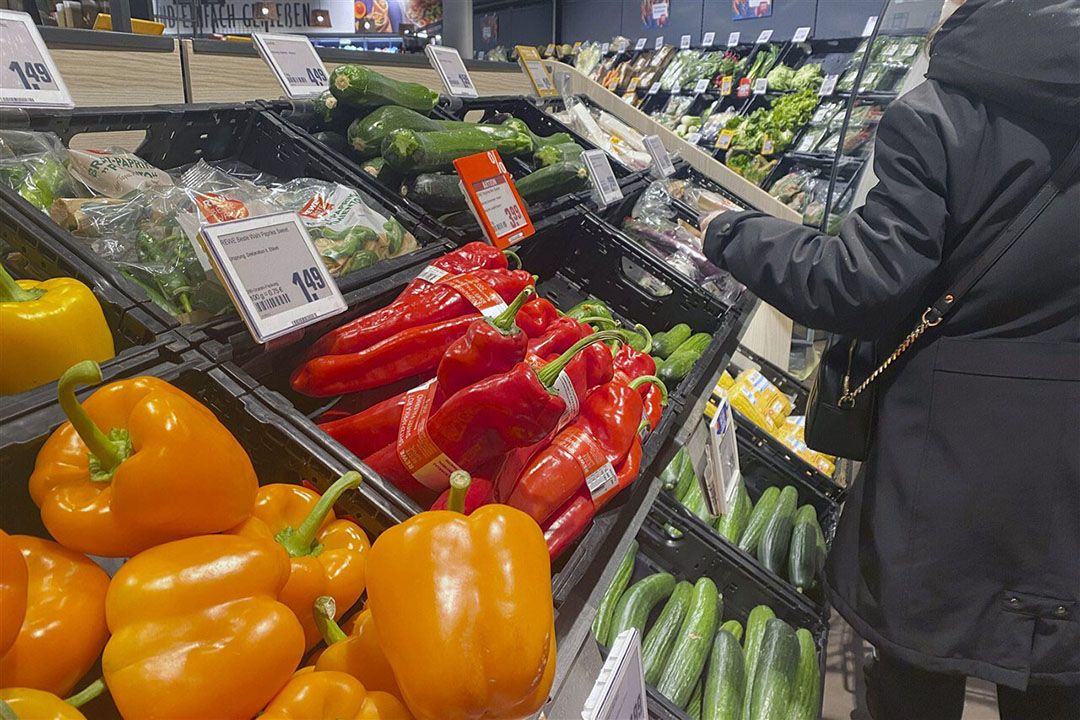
[{"x": 329, "y": 17}]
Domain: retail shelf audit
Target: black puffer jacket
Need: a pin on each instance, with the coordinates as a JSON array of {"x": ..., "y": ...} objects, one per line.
[{"x": 959, "y": 548}]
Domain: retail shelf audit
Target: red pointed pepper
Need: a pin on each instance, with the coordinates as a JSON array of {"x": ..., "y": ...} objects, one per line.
[
  {"x": 560, "y": 334},
  {"x": 536, "y": 316},
  {"x": 570, "y": 522},
  {"x": 471, "y": 256}
]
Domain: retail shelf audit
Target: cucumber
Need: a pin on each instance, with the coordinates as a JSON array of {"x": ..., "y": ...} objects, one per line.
[
  {"x": 661, "y": 636},
  {"x": 774, "y": 674},
  {"x": 681, "y": 361},
  {"x": 695, "y": 502},
  {"x": 551, "y": 154},
  {"x": 692, "y": 643},
  {"x": 723, "y": 696},
  {"x": 366, "y": 134},
  {"x": 755, "y": 631},
  {"x": 361, "y": 86},
  {"x": 772, "y": 551},
  {"x": 602, "y": 622},
  {"x": 552, "y": 181},
  {"x": 693, "y": 708},
  {"x": 805, "y": 558},
  {"x": 734, "y": 627},
  {"x": 758, "y": 519},
  {"x": 687, "y": 479},
  {"x": 669, "y": 478},
  {"x": 665, "y": 343},
  {"x": 806, "y": 703},
  {"x": 411, "y": 152},
  {"x": 732, "y": 525},
  {"x": 436, "y": 192},
  {"x": 637, "y": 602}
]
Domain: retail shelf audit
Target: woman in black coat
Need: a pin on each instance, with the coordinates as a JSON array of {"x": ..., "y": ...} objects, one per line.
[{"x": 958, "y": 551}]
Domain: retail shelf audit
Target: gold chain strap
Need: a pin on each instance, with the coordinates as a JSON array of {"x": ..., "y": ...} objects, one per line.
[{"x": 847, "y": 400}]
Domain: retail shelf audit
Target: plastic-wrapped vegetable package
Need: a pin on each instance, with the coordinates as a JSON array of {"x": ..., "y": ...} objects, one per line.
[
  {"x": 792, "y": 189},
  {"x": 699, "y": 199},
  {"x": 35, "y": 165}
]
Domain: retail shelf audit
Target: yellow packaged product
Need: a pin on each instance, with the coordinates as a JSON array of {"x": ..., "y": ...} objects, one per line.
[
  {"x": 792, "y": 435},
  {"x": 759, "y": 400}
]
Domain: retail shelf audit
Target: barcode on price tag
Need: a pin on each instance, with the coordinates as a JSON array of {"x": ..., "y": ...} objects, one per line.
[
  {"x": 619, "y": 690},
  {"x": 707, "y": 39},
  {"x": 28, "y": 75},
  {"x": 764, "y": 36},
  {"x": 828, "y": 86},
  {"x": 273, "y": 273},
  {"x": 659, "y": 42},
  {"x": 640, "y": 45},
  {"x": 733, "y": 39},
  {"x": 603, "y": 179},
  {"x": 801, "y": 34},
  {"x": 761, "y": 86},
  {"x": 451, "y": 69},
  {"x": 661, "y": 161},
  {"x": 868, "y": 28},
  {"x": 654, "y": 88},
  {"x": 294, "y": 61},
  {"x": 684, "y": 42}
]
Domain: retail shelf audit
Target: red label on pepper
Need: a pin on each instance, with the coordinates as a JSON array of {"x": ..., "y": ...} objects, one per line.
[
  {"x": 600, "y": 476},
  {"x": 415, "y": 448},
  {"x": 218, "y": 209},
  {"x": 479, "y": 293}
]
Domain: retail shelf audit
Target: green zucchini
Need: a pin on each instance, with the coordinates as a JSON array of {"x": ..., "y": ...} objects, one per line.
[
  {"x": 805, "y": 558},
  {"x": 412, "y": 152},
  {"x": 637, "y": 602},
  {"x": 734, "y": 627},
  {"x": 602, "y": 621},
  {"x": 551, "y": 154},
  {"x": 661, "y": 636},
  {"x": 681, "y": 361},
  {"x": 755, "y": 632},
  {"x": 692, "y": 643},
  {"x": 669, "y": 478},
  {"x": 324, "y": 107},
  {"x": 774, "y": 674},
  {"x": 806, "y": 703},
  {"x": 732, "y": 525},
  {"x": 436, "y": 192},
  {"x": 665, "y": 343},
  {"x": 687, "y": 479},
  {"x": 366, "y": 134},
  {"x": 772, "y": 551},
  {"x": 361, "y": 86},
  {"x": 693, "y": 708},
  {"x": 695, "y": 502},
  {"x": 763, "y": 510},
  {"x": 559, "y": 138},
  {"x": 552, "y": 181},
  {"x": 723, "y": 696}
]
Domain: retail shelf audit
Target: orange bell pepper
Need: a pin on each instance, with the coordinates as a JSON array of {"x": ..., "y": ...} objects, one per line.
[
  {"x": 164, "y": 468},
  {"x": 30, "y": 704},
  {"x": 64, "y": 628},
  {"x": 197, "y": 630},
  {"x": 314, "y": 695},
  {"x": 327, "y": 555},
  {"x": 12, "y": 591},
  {"x": 464, "y": 612},
  {"x": 357, "y": 653}
]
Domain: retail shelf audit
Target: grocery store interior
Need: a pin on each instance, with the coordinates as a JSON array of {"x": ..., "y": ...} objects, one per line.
[{"x": 435, "y": 359}]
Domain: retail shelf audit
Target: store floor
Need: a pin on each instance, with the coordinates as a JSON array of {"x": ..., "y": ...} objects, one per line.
[{"x": 844, "y": 681}]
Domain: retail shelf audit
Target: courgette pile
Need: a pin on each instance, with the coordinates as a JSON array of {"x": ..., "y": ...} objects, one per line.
[
  {"x": 708, "y": 668},
  {"x": 785, "y": 538},
  {"x": 676, "y": 350}
]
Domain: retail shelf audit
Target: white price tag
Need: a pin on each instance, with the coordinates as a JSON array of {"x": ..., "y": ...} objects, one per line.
[
  {"x": 601, "y": 481},
  {"x": 693, "y": 138},
  {"x": 451, "y": 69},
  {"x": 28, "y": 75},
  {"x": 707, "y": 39},
  {"x": 722, "y": 474},
  {"x": 801, "y": 34},
  {"x": 764, "y": 37},
  {"x": 661, "y": 161},
  {"x": 761, "y": 86},
  {"x": 619, "y": 690},
  {"x": 659, "y": 42},
  {"x": 868, "y": 28},
  {"x": 640, "y": 44},
  {"x": 828, "y": 86},
  {"x": 604, "y": 48},
  {"x": 733, "y": 39},
  {"x": 654, "y": 88},
  {"x": 294, "y": 61},
  {"x": 273, "y": 273},
  {"x": 603, "y": 178},
  {"x": 701, "y": 86},
  {"x": 684, "y": 42}
]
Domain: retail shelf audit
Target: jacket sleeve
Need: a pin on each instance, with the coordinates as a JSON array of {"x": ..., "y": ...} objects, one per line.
[{"x": 867, "y": 279}]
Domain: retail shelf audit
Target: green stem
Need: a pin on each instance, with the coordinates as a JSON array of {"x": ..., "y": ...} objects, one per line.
[
  {"x": 185, "y": 302},
  {"x": 11, "y": 291},
  {"x": 504, "y": 321},
  {"x": 87, "y": 694},
  {"x": 550, "y": 372},
  {"x": 644, "y": 331},
  {"x": 511, "y": 255},
  {"x": 325, "y": 609},
  {"x": 459, "y": 487},
  {"x": 300, "y": 541},
  {"x": 639, "y": 381},
  {"x": 6, "y": 713},
  {"x": 107, "y": 451},
  {"x": 607, "y": 322}
]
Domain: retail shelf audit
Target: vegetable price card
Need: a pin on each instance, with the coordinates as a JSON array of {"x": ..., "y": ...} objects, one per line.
[
  {"x": 723, "y": 140},
  {"x": 868, "y": 28},
  {"x": 294, "y": 62},
  {"x": 654, "y": 88},
  {"x": 451, "y": 68},
  {"x": 28, "y": 75},
  {"x": 661, "y": 161},
  {"x": 604, "y": 48},
  {"x": 538, "y": 73},
  {"x": 684, "y": 42},
  {"x": 801, "y": 34},
  {"x": 701, "y": 86},
  {"x": 640, "y": 45},
  {"x": 726, "y": 83},
  {"x": 761, "y": 86},
  {"x": 619, "y": 690},
  {"x": 733, "y": 39},
  {"x": 659, "y": 42},
  {"x": 494, "y": 198},
  {"x": 722, "y": 475},
  {"x": 273, "y": 273},
  {"x": 764, "y": 37},
  {"x": 707, "y": 39},
  {"x": 828, "y": 86},
  {"x": 606, "y": 188}
]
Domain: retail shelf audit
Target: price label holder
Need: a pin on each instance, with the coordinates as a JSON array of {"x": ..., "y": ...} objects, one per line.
[
  {"x": 293, "y": 59},
  {"x": 661, "y": 161},
  {"x": 494, "y": 199},
  {"x": 707, "y": 39},
  {"x": 640, "y": 44},
  {"x": 764, "y": 37},
  {"x": 632, "y": 86},
  {"x": 723, "y": 140},
  {"x": 733, "y": 39},
  {"x": 28, "y": 76},
  {"x": 659, "y": 42},
  {"x": 693, "y": 138},
  {"x": 744, "y": 88},
  {"x": 654, "y": 88},
  {"x": 722, "y": 475},
  {"x": 606, "y": 188},
  {"x": 761, "y": 86},
  {"x": 623, "y": 45},
  {"x": 684, "y": 42},
  {"x": 868, "y": 28},
  {"x": 767, "y": 147},
  {"x": 273, "y": 273},
  {"x": 604, "y": 48},
  {"x": 619, "y": 690},
  {"x": 701, "y": 86},
  {"x": 451, "y": 68},
  {"x": 538, "y": 73},
  {"x": 801, "y": 34},
  {"x": 726, "y": 84},
  {"x": 828, "y": 86}
]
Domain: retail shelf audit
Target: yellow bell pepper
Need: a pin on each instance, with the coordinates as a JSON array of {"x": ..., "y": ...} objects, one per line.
[
  {"x": 358, "y": 653},
  {"x": 313, "y": 695},
  {"x": 45, "y": 328},
  {"x": 30, "y": 704}
]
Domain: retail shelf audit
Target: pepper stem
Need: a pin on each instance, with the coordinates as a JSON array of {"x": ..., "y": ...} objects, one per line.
[
  {"x": 639, "y": 381},
  {"x": 504, "y": 321},
  {"x": 107, "y": 452},
  {"x": 550, "y": 372},
  {"x": 606, "y": 322},
  {"x": 11, "y": 291},
  {"x": 87, "y": 694},
  {"x": 300, "y": 541},
  {"x": 460, "y": 481},
  {"x": 325, "y": 608},
  {"x": 6, "y": 713},
  {"x": 642, "y": 330},
  {"x": 511, "y": 255}
]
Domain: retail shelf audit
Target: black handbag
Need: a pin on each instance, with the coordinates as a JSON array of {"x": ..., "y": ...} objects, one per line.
[{"x": 840, "y": 411}]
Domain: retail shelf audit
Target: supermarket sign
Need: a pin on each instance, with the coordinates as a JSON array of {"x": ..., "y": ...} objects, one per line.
[{"x": 324, "y": 17}]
